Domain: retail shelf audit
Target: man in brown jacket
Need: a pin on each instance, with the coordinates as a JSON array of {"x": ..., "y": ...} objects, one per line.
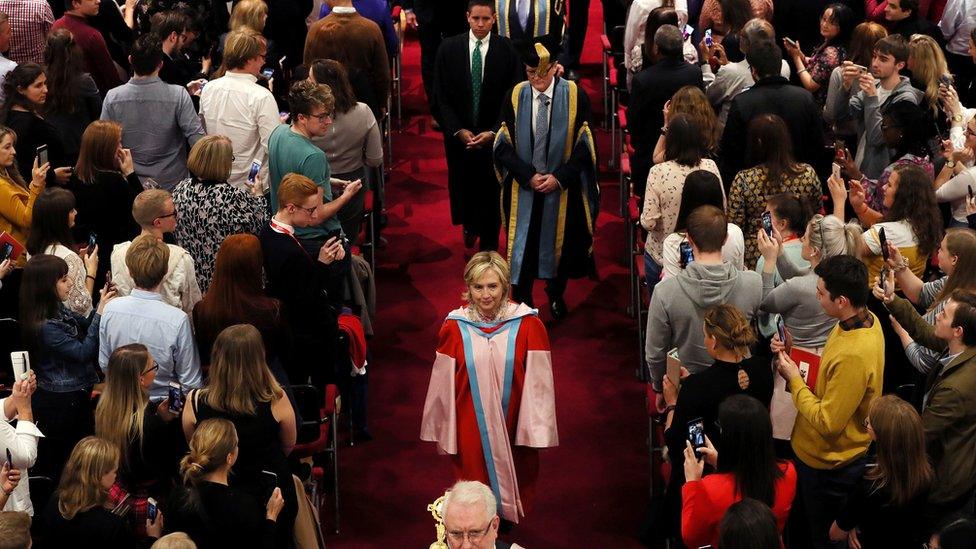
[
  {"x": 949, "y": 404},
  {"x": 354, "y": 41}
]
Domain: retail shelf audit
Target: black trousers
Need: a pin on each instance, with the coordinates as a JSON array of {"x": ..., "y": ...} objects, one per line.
[{"x": 579, "y": 16}]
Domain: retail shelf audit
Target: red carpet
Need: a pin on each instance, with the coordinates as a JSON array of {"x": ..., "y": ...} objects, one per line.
[{"x": 592, "y": 488}]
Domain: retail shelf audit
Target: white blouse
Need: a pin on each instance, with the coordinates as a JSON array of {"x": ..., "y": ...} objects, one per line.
[{"x": 79, "y": 298}]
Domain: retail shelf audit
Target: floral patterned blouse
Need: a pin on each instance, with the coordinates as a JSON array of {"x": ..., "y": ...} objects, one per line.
[
  {"x": 748, "y": 195},
  {"x": 874, "y": 188},
  {"x": 823, "y": 62},
  {"x": 662, "y": 200},
  {"x": 209, "y": 212}
]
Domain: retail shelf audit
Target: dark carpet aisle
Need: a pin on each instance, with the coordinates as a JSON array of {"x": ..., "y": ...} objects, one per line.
[{"x": 592, "y": 488}]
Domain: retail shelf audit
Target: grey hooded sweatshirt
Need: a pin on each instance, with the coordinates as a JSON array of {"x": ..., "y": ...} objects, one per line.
[{"x": 678, "y": 307}]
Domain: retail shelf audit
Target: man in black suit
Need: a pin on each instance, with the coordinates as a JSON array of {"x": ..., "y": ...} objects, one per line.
[
  {"x": 772, "y": 94},
  {"x": 434, "y": 20},
  {"x": 527, "y": 19},
  {"x": 468, "y": 102},
  {"x": 650, "y": 89}
]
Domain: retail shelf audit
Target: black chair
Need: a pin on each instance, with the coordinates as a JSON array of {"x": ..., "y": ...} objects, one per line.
[{"x": 317, "y": 435}]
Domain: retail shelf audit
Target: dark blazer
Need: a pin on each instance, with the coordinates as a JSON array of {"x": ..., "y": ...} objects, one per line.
[
  {"x": 650, "y": 89},
  {"x": 557, "y": 8},
  {"x": 452, "y": 105},
  {"x": 773, "y": 95}
]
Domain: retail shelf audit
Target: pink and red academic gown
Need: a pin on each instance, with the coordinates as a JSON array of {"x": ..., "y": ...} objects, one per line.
[{"x": 491, "y": 403}]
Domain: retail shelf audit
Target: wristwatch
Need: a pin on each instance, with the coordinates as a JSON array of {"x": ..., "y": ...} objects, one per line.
[
  {"x": 957, "y": 117},
  {"x": 951, "y": 164}
]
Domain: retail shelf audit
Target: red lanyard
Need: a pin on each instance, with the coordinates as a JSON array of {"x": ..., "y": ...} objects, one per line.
[{"x": 276, "y": 227}]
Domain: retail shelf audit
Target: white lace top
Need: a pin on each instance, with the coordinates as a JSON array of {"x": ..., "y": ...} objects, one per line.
[
  {"x": 179, "y": 287},
  {"x": 79, "y": 298}
]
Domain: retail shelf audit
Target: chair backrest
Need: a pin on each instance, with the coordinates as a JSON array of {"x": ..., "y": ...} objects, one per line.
[
  {"x": 41, "y": 489},
  {"x": 308, "y": 400}
]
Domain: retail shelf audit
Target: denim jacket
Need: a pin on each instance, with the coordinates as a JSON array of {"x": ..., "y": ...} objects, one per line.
[{"x": 70, "y": 352}]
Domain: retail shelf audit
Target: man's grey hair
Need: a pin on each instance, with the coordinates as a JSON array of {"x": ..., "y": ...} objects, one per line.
[
  {"x": 756, "y": 30},
  {"x": 669, "y": 41},
  {"x": 471, "y": 492}
]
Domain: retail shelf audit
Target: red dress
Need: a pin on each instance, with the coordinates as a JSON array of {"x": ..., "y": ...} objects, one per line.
[{"x": 704, "y": 502}]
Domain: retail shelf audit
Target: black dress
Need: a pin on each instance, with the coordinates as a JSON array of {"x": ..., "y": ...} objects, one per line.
[
  {"x": 881, "y": 523},
  {"x": 96, "y": 528},
  {"x": 33, "y": 131},
  {"x": 154, "y": 462},
  {"x": 259, "y": 443},
  {"x": 71, "y": 125},
  {"x": 216, "y": 515},
  {"x": 105, "y": 207}
]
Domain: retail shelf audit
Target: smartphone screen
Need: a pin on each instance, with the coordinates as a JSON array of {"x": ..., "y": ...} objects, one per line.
[
  {"x": 696, "y": 435},
  {"x": 10, "y": 460},
  {"x": 945, "y": 80},
  {"x": 41, "y": 155},
  {"x": 151, "y": 509},
  {"x": 708, "y": 38},
  {"x": 6, "y": 250},
  {"x": 969, "y": 190},
  {"x": 767, "y": 222},
  {"x": 92, "y": 240},
  {"x": 883, "y": 241},
  {"x": 685, "y": 254},
  {"x": 176, "y": 397},
  {"x": 253, "y": 174},
  {"x": 267, "y": 73},
  {"x": 883, "y": 276},
  {"x": 781, "y": 329}
]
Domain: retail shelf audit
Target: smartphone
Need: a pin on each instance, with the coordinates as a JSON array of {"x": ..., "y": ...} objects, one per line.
[
  {"x": 41, "y": 155},
  {"x": 20, "y": 360},
  {"x": 6, "y": 250},
  {"x": 267, "y": 73},
  {"x": 883, "y": 241},
  {"x": 835, "y": 169},
  {"x": 946, "y": 80},
  {"x": 269, "y": 480},
  {"x": 253, "y": 174},
  {"x": 708, "y": 38},
  {"x": 685, "y": 254},
  {"x": 789, "y": 41},
  {"x": 696, "y": 435},
  {"x": 10, "y": 460},
  {"x": 92, "y": 240},
  {"x": 781, "y": 329},
  {"x": 687, "y": 31},
  {"x": 151, "y": 509},
  {"x": 969, "y": 190},
  {"x": 177, "y": 398},
  {"x": 883, "y": 275},
  {"x": 861, "y": 68},
  {"x": 839, "y": 148},
  {"x": 767, "y": 223}
]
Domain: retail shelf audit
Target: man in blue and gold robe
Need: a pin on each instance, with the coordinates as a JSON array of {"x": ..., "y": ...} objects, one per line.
[{"x": 545, "y": 160}]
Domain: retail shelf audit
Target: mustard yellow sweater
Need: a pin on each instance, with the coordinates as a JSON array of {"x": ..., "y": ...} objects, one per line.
[{"x": 829, "y": 431}]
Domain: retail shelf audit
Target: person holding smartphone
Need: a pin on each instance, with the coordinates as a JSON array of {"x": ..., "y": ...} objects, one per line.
[
  {"x": 207, "y": 508},
  {"x": 836, "y": 25},
  {"x": 746, "y": 467},
  {"x": 20, "y": 443},
  {"x": 727, "y": 339}
]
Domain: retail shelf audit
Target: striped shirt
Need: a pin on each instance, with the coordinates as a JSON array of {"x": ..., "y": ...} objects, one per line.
[{"x": 30, "y": 23}]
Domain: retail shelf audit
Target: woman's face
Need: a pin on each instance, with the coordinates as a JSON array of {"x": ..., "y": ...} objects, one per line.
[
  {"x": 487, "y": 293},
  {"x": 891, "y": 133},
  {"x": 891, "y": 189},
  {"x": 64, "y": 285},
  {"x": 108, "y": 479},
  {"x": 947, "y": 261},
  {"x": 828, "y": 28},
  {"x": 71, "y": 217},
  {"x": 148, "y": 374},
  {"x": 36, "y": 93},
  {"x": 7, "y": 151}
]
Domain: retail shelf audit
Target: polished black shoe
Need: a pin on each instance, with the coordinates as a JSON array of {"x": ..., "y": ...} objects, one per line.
[
  {"x": 573, "y": 74},
  {"x": 557, "y": 308},
  {"x": 470, "y": 239}
]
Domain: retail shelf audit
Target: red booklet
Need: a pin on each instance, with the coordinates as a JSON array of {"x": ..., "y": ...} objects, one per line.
[
  {"x": 9, "y": 247},
  {"x": 809, "y": 364}
]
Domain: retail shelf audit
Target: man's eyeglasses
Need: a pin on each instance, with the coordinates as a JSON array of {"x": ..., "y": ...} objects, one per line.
[
  {"x": 151, "y": 369},
  {"x": 167, "y": 215},
  {"x": 309, "y": 211},
  {"x": 473, "y": 535},
  {"x": 321, "y": 117}
]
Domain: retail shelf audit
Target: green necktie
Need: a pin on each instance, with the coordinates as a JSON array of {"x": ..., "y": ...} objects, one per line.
[{"x": 476, "y": 80}]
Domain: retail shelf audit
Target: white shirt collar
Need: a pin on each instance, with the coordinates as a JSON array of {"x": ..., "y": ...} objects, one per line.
[
  {"x": 279, "y": 226},
  {"x": 343, "y": 9},
  {"x": 241, "y": 75},
  {"x": 472, "y": 39}
]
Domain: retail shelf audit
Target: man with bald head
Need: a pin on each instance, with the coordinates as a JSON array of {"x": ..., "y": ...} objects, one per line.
[{"x": 732, "y": 78}]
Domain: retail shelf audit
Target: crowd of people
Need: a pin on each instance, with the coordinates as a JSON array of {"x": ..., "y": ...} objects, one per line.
[{"x": 182, "y": 191}]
